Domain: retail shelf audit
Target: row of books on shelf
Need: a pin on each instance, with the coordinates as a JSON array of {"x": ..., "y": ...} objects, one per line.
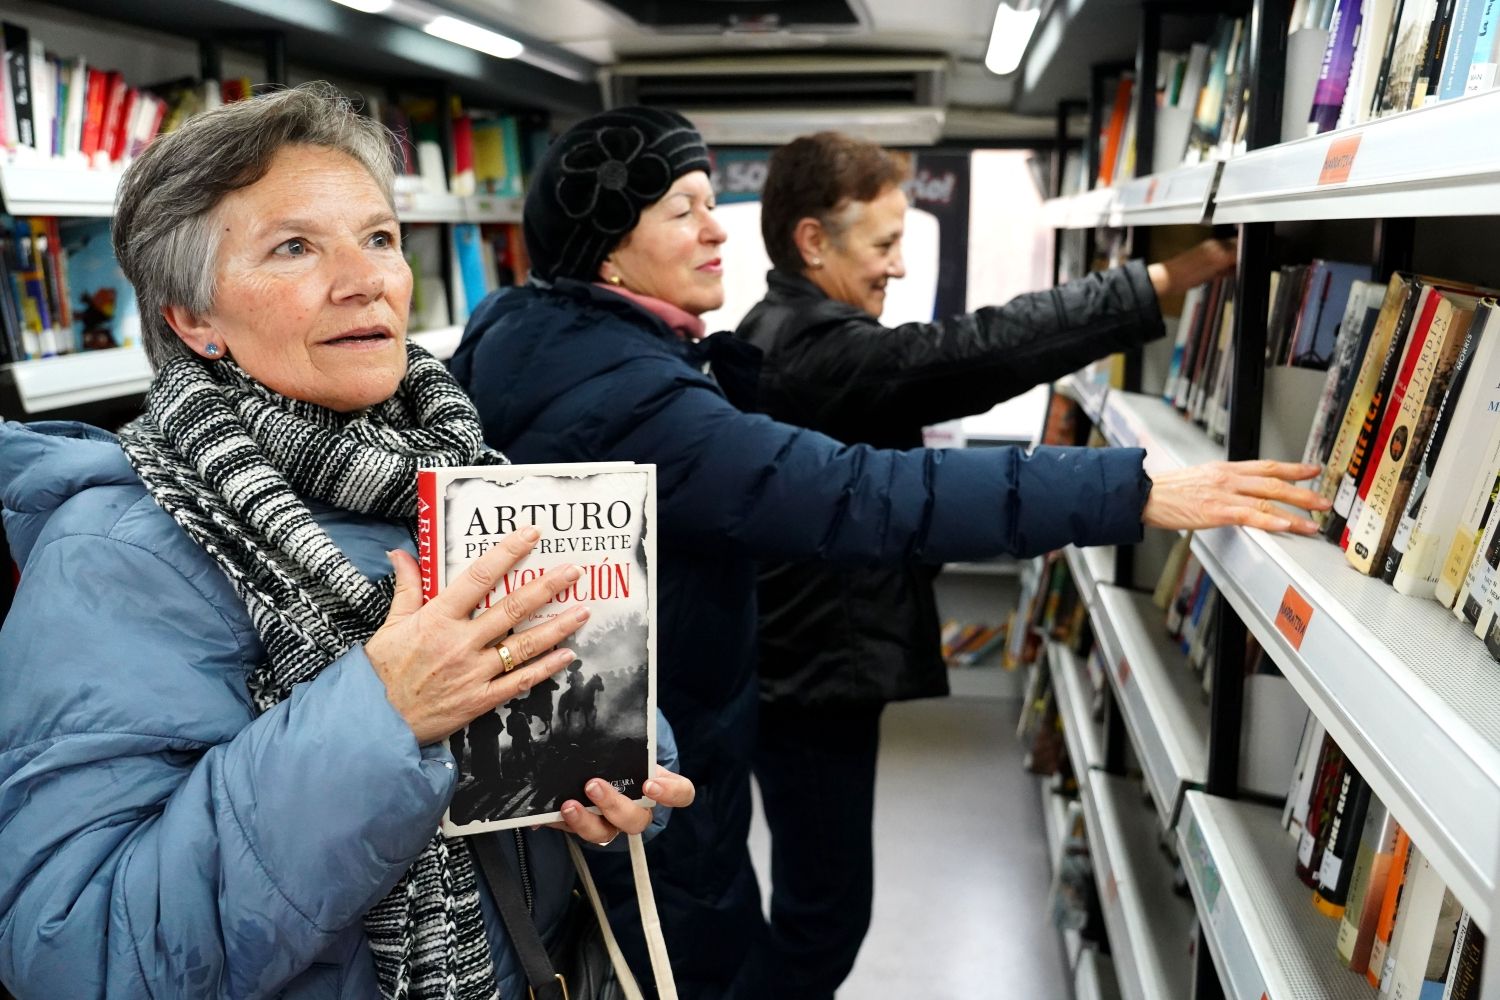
[
  {"x": 1408, "y": 435},
  {"x": 1348, "y": 62},
  {"x": 62, "y": 291},
  {"x": 1398, "y": 924},
  {"x": 62, "y": 109},
  {"x": 968, "y": 644}
]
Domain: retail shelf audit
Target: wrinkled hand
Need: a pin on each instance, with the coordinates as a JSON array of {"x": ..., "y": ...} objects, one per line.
[
  {"x": 620, "y": 814},
  {"x": 1204, "y": 262},
  {"x": 1245, "y": 493},
  {"x": 440, "y": 668}
]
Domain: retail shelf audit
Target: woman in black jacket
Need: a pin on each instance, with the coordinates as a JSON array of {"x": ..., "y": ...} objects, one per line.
[
  {"x": 837, "y": 642},
  {"x": 602, "y": 357}
]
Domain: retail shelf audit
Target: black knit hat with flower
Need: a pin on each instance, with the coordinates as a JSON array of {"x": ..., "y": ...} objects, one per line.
[{"x": 596, "y": 179}]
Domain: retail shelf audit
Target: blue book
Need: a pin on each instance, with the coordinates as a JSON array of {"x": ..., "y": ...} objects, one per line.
[
  {"x": 1466, "y": 21},
  {"x": 468, "y": 248},
  {"x": 1323, "y": 309},
  {"x": 104, "y": 307},
  {"x": 1481, "y": 75}
]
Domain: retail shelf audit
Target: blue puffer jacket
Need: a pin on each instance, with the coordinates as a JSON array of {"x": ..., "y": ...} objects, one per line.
[
  {"x": 576, "y": 373},
  {"x": 157, "y": 837}
]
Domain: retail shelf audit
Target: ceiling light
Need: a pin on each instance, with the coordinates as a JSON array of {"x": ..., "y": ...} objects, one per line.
[
  {"x": 1009, "y": 38},
  {"x": 368, "y": 6},
  {"x": 472, "y": 35}
]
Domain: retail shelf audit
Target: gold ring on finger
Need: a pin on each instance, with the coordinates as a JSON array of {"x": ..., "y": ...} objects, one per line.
[{"x": 507, "y": 662}]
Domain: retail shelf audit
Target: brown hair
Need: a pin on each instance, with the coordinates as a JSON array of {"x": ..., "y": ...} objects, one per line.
[{"x": 816, "y": 177}]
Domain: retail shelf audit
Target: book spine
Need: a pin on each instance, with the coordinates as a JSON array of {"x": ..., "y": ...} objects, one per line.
[
  {"x": 1442, "y": 420},
  {"x": 1386, "y": 921},
  {"x": 1455, "y": 74},
  {"x": 427, "y": 532},
  {"x": 1481, "y": 73},
  {"x": 18, "y": 63},
  {"x": 1410, "y": 356},
  {"x": 1437, "y": 45},
  {"x": 1410, "y": 430},
  {"x": 1357, "y": 410},
  {"x": 1366, "y": 886},
  {"x": 1467, "y": 965},
  {"x": 1314, "y": 836},
  {"x": 1338, "y": 62},
  {"x": 1337, "y": 866}
]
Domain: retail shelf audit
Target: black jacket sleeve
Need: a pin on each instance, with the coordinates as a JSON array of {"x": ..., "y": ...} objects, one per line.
[{"x": 929, "y": 372}]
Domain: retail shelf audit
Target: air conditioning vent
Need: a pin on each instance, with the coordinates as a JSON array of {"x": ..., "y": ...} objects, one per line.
[{"x": 767, "y": 84}]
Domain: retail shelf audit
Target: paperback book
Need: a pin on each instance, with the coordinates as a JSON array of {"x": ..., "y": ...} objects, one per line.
[{"x": 597, "y": 718}]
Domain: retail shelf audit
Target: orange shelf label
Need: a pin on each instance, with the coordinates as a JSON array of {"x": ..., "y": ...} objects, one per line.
[
  {"x": 1293, "y": 617},
  {"x": 1340, "y": 160}
]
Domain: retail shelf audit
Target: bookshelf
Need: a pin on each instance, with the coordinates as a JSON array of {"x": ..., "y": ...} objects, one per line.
[
  {"x": 1150, "y": 930},
  {"x": 1434, "y": 161},
  {"x": 1158, "y": 695},
  {"x": 51, "y": 384},
  {"x": 1070, "y": 682},
  {"x": 1404, "y": 688},
  {"x": 1265, "y": 936},
  {"x": 56, "y": 188}
]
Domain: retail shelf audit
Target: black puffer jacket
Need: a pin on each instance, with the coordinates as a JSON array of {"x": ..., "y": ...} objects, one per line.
[{"x": 842, "y": 635}]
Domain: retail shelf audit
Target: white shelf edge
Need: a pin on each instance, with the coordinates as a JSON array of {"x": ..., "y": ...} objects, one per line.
[
  {"x": 1432, "y": 769},
  {"x": 1080, "y": 732},
  {"x": 1095, "y": 977},
  {"x": 1146, "y": 923},
  {"x": 1263, "y": 932},
  {"x": 1167, "y": 724},
  {"x": 1091, "y": 396},
  {"x": 1054, "y": 816},
  {"x": 52, "y": 384},
  {"x": 998, "y": 567}
]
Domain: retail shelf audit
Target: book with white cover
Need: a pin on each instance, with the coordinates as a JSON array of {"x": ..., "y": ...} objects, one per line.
[
  {"x": 1474, "y": 433},
  {"x": 597, "y": 718}
]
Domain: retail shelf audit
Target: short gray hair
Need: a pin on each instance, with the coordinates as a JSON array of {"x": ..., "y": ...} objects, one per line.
[{"x": 164, "y": 233}]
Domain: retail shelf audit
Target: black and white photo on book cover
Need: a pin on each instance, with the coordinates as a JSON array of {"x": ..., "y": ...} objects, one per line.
[{"x": 518, "y": 764}]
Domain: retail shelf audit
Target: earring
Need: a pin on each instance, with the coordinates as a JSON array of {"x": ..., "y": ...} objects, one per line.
[
  {"x": 816, "y": 262},
  {"x": 614, "y": 279},
  {"x": 211, "y": 349}
]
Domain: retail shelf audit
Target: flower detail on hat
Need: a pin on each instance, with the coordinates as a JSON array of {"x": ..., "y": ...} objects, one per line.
[{"x": 610, "y": 177}]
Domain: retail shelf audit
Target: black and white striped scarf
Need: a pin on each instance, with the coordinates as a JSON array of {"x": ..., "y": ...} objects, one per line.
[{"x": 231, "y": 461}]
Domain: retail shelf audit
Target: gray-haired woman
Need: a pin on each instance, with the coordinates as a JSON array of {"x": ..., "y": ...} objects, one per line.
[{"x": 221, "y": 713}]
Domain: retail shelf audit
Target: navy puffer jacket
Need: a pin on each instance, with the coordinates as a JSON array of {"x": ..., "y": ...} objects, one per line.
[{"x": 574, "y": 373}]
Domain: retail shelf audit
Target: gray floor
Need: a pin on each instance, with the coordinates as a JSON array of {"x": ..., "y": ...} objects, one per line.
[{"x": 961, "y": 862}]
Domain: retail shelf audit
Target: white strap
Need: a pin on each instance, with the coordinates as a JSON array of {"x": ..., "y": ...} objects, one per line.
[{"x": 656, "y": 944}]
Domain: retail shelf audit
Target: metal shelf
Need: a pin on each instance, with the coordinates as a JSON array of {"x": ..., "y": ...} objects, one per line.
[
  {"x": 1178, "y": 197},
  {"x": 96, "y": 376},
  {"x": 1266, "y": 938},
  {"x": 1171, "y": 440},
  {"x": 1437, "y": 160},
  {"x": 37, "y": 186},
  {"x": 1091, "y": 567},
  {"x": 1150, "y": 930},
  {"x": 1406, "y": 690},
  {"x": 1158, "y": 695},
  {"x": 1095, "y": 978},
  {"x": 1089, "y": 395},
  {"x": 998, "y": 567},
  {"x": 1087, "y": 210},
  {"x": 1070, "y": 683},
  {"x": 55, "y": 186}
]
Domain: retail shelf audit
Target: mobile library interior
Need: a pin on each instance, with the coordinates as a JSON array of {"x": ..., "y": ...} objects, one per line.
[{"x": 1224, "y": 763}]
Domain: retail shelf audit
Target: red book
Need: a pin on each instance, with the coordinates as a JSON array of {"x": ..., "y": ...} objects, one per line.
[
  {"x": 96, "y": 96},
  {"x": 116, "y": 92},
  {"x": 119, "y": 133},
  {"x": 1393, "y": 408},
  {"x": 1114, "y": 134}
]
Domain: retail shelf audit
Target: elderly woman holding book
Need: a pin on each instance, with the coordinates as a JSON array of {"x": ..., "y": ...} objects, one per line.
[
  {"x": 223, "y": 702},
  {"x": 603, "y": 358}
]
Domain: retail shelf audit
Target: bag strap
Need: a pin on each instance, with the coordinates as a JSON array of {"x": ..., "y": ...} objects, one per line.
[{"x": 546, "y": 984}]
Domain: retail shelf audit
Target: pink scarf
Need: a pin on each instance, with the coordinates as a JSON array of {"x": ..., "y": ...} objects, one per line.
[{"x": 683, "y": 323}]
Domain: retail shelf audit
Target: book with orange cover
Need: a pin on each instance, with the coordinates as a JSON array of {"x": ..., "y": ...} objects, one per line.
[
  {"x": 1387, "y": 920},
  {"x": 1114, "y": 132}
]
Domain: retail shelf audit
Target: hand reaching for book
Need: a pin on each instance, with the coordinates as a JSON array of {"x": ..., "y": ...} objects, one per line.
[
  {"x": 441, "y": 669},
  {"x": 1204, "y": 262},
  {"x": 1245, "y": 493},
  {"x": 621, "y": 814}
]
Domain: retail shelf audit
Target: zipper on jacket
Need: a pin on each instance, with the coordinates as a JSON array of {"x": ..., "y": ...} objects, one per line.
[{"x": 525, "y": 873}]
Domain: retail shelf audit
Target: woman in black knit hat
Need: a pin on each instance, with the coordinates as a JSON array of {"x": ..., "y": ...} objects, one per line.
[{"x": 602, "y": 357}]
